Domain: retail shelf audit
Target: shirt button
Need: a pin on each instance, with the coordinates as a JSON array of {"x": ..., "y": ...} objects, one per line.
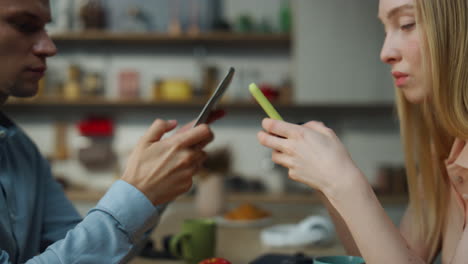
[{"x": 459, "y": 179}]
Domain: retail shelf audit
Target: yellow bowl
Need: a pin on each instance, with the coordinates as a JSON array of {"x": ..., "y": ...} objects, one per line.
[{"x": 176, "y": 90}]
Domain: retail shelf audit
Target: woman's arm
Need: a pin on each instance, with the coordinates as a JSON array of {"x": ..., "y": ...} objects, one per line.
[
  {"x": 349, "y": 244},
  {"x": 341, "y": 229},
  {"x": 377, "y": 238},
  {"x": 315, "y": 156}
]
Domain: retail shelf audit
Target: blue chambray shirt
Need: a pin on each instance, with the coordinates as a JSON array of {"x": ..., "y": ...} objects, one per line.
[{"x": 38, "y": 224}]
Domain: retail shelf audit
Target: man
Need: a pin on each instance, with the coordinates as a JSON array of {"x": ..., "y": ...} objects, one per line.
[{"x": 37, "y": 223}]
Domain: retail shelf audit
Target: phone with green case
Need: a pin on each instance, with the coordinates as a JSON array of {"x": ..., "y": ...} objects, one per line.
[{"x": 264, "y": 102}]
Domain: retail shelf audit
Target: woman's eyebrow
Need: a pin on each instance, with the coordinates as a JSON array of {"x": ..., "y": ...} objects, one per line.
[{"x": 397, "y": 10}]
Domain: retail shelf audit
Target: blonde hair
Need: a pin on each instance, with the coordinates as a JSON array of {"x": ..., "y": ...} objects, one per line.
[{"x": 428, "y": 130}]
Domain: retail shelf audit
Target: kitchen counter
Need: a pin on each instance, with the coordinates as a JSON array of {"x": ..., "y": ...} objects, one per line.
[{"x": 240, "y": 245}]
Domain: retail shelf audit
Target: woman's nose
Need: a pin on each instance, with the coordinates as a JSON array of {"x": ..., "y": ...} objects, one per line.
[{"x": 390, "y": 53}]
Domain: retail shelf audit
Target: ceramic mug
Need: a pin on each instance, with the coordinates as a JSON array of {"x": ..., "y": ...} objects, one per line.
[
  {"x": 195, "y": 242},
  {"x": 339, "y": 260}
]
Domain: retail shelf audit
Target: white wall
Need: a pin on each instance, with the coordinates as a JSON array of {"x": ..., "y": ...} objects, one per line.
[{"x": 337, "y": 46}]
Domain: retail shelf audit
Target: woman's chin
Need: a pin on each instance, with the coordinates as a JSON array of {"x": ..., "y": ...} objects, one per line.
[{"x": 414, "y": 97}]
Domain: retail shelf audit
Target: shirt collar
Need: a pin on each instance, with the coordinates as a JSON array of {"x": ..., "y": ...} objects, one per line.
[
  {"x": 7, "y": 127},
  {"x": 459, "y": 153}
]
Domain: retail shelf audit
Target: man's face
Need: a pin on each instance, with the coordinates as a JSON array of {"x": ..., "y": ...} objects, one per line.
[{"x": 24, "y": 46}]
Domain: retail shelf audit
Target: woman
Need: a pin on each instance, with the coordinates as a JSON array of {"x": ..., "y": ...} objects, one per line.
[{"x": 426, "y": 46}]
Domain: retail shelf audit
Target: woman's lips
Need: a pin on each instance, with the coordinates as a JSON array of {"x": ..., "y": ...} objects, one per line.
[{"x": 400, "y": 78}]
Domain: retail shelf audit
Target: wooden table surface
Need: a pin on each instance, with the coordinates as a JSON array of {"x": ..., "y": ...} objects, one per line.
[{"x": 241, "y": 245}]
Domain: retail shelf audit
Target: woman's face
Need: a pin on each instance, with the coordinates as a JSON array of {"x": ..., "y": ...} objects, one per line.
[{"x": 402, "y": 48}]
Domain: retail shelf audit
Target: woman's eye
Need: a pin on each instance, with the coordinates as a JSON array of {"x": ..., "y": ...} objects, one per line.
[{"x": 408, "y": 26}]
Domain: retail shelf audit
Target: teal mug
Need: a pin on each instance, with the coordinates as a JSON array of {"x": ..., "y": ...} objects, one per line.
[{"x": 339, "y": 260}]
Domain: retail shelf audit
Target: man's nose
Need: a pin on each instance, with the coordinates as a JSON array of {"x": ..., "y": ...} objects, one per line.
[{"x": 44, "y": 47}]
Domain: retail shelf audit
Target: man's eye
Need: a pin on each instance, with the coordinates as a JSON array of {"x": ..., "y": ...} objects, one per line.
[
  {"x": 408, "y": 26},
  {"x": 28, "y": 27}
]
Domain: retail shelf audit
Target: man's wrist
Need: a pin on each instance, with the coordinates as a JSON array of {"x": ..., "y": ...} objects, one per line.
[{"x": 129, "y": 207}]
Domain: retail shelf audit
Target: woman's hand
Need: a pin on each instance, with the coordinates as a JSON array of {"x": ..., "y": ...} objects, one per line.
[
  {"x": 162, "y": 169},
  {"x": 312, "y": 152}
]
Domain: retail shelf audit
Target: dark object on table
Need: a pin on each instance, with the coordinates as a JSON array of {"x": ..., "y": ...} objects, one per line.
[
  {"x": 239, "y": 184},
  {"x": 149, "y": 250},
  {"x": 298, "y": 258}
]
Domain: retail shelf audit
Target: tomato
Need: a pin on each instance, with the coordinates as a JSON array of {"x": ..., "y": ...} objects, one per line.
[{"x": 214, "y": 261}]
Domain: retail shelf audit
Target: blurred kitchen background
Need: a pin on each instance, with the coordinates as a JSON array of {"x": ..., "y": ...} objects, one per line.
[{"x": 123, "y": 63}]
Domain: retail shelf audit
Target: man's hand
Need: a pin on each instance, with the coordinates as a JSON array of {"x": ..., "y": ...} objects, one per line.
[
  {"x": 162, "y": 169},
  {"x": 214, "y": 115}
]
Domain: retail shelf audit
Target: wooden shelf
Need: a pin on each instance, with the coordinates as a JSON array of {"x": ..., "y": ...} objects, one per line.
[
  {"x": 219, "y": 39},
  {"x": 89, "y": 103},
  {"x": 61, "y": 108},
  {"x": 86, "y": 103},
  {"x": 94, "y": 101}
]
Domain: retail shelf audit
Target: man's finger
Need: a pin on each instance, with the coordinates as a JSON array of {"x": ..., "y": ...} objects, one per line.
[
  {"x": 192, "y": 137},
  {"x": 186, "y": 127},
  {"x": 214, "y": 115},
  {"x": 158, "y": 129}
]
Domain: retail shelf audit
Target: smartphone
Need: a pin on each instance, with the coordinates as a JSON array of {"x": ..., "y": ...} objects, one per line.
[
  {"x": 215, "y": 97},
  {"x": 264, "y": 102}
]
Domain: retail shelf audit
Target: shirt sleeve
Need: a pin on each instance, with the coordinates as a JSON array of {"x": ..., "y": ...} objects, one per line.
[
  {"x": 59, "y": 215},
  {"x": 4, "y": 257},
  {"x": 109, "y": 232}
]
